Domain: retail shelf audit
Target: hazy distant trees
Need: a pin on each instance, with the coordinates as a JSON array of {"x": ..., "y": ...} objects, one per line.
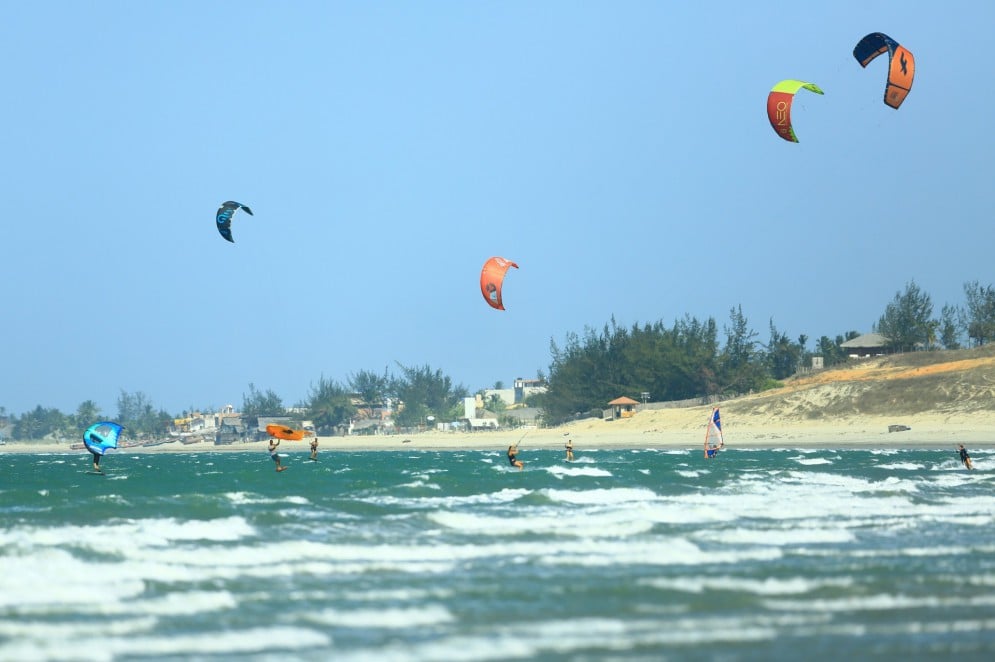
[
  {"x": 681, "y": 361},
  {"x": 38, "y": 423},
  {"x": 87, "y": 414},
  {"x": 257, "y": 403},
  {"x": 136, "y": 413},
  {"x": 425, "y": 392},
  {"x": 329, "y": 404},
  {"x": 671, "y": 363},
  {"x": 831, "y": 351},
  {"x": 907, "y": 321},
  {"x": 783, "y": 356},
  {"x": 371, "y": 387},
  {"x": 979, "y": 313},
  {"x": 949, "y": 327}
]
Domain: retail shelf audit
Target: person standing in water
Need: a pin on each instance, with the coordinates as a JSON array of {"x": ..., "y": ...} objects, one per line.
[
  {"x": 513, "y": 458},
  {"x": 314, "y": 449},
  {"x": 964, "y": 457},
  {"x": 570, "y": 450},
  {"x": 273, "y": 444}
]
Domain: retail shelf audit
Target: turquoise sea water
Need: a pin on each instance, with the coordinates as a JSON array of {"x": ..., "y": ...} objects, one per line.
[{"x": 453, "y": 555}]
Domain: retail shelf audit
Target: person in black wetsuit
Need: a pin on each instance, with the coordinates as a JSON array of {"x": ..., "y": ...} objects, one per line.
[
  {"x": 964, "y": 457},
  {"x": 513, "y": 458}
]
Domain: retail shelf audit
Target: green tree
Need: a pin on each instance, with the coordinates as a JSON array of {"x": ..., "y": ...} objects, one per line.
[
  {"x": 495, "y": 404},
  {"x": 371, "y": 387},
  {"x": 137, "y": 414},
  {"x": 741, "y": 363},
  {"x": 87, "y": 413},
  {"x": 39, "y": 423},
  {"x": 424, "y": 392},
  {"x": 907, "y": 320},
  {"x": 950, "y": 327},
  {"x": 830, "y": 349},
  {"x": 980, "y": 312},
  {"x": 783, "y": 356},
  {"x": 329, "y": 404},
  {"x": 256, "y": 404}
]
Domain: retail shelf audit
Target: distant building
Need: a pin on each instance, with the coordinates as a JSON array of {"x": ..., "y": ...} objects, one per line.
[
  {"x": 866, "y": 345},
  {"x": 516, "y": 395},
  {"x": 231, "y": 430},
  {"x": 476, "y": 417},
  {"x": 622, "y": 407}
]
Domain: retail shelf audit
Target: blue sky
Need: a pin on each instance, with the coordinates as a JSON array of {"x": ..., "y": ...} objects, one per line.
[{"x": 619, "y": 152}]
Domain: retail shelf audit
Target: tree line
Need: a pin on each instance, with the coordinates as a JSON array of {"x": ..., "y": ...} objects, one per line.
[{"x": 682, "y": 360}]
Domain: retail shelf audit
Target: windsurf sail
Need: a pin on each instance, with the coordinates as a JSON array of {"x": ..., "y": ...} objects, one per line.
[
  {"x": 713, "y": 434},
  {"x": 101, "y": 437}
]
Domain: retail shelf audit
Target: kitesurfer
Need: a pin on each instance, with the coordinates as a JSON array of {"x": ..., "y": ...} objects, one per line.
[
  {"x": 964, "y": 457},
  {"x": 513, "y": 458},
  {"x": 570, "y": 450},
  {"x": 96, "y": 462},
  {"x": 314, "y": 449},
  {"x": 273, "y": 443}
]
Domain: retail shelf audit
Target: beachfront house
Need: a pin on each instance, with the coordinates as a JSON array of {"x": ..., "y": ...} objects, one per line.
[{"x": 866, "y": 345}]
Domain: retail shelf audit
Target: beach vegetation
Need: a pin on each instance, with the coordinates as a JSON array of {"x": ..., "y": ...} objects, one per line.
[
  {"x": 908, "y": 321},
  {"x": 979, "y": 312},
  {"x": 329, "y": 405}
]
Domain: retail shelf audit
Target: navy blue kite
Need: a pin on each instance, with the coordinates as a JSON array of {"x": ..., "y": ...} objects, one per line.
[{"x": 225, "y": 212}]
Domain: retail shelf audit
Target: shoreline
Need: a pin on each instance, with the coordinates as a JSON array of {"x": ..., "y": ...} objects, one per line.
[{"x": 667, "y": 429}]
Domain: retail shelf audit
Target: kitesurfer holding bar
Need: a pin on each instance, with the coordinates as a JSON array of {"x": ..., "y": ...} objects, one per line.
[
  {"x": 273, "y": 443},
  {"x": 314, "y": 449},
  {"x": 570, "y": 450},
  {"x": 964, "y": 457},
  {"x": 513, "y": 457}
]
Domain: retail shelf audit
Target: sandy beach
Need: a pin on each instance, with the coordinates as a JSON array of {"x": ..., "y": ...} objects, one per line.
[{"x": 677, "y": 428}]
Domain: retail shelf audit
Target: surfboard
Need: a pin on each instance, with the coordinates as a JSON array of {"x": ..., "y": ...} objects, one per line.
[{"x": 95, "y": 473}]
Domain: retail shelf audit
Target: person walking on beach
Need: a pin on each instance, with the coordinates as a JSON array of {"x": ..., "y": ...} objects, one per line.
[
  {"x": 964, "y": 457},
  {"x": 513, "y": 458},
  {"x": 273, "y": 443},
  {"x": 570, "y": 450},
  {"x": 314, "y": 449}
]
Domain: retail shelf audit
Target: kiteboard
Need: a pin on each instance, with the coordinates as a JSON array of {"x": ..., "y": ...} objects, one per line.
[{"x": 95, "y": 473}]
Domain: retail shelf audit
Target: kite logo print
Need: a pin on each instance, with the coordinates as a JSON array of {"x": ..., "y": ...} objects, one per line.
[
  {"x": 905, "y": 64},
  {"x": 782, "y": 115}
]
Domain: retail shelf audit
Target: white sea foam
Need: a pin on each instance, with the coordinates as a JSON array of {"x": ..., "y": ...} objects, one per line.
[
  {"x": 270, "y": 639},
  {"x": 767, "y": 586},
  {"x": 122, "y": 537},
  {"x": 68, "y": 581},
  {"x": 505, "y": 495},
  {"x": 902, "y": 466},
  {"x": 385, "y": 618},
  {"x": 764, "y": 536},
  {"x": 602, "y": 497},
  {"x": 552, "y": 522},
  {"x": 812, "y": 460},
  {"x": 880, "y": 602},
  {"x": 560, "y": 471}
]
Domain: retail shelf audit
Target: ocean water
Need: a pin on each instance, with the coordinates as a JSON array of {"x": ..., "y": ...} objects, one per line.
[{"x": 415, "y": 556}]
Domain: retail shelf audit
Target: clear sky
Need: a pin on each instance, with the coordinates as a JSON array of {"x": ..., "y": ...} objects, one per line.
[{"x": 619, "y": 152}]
